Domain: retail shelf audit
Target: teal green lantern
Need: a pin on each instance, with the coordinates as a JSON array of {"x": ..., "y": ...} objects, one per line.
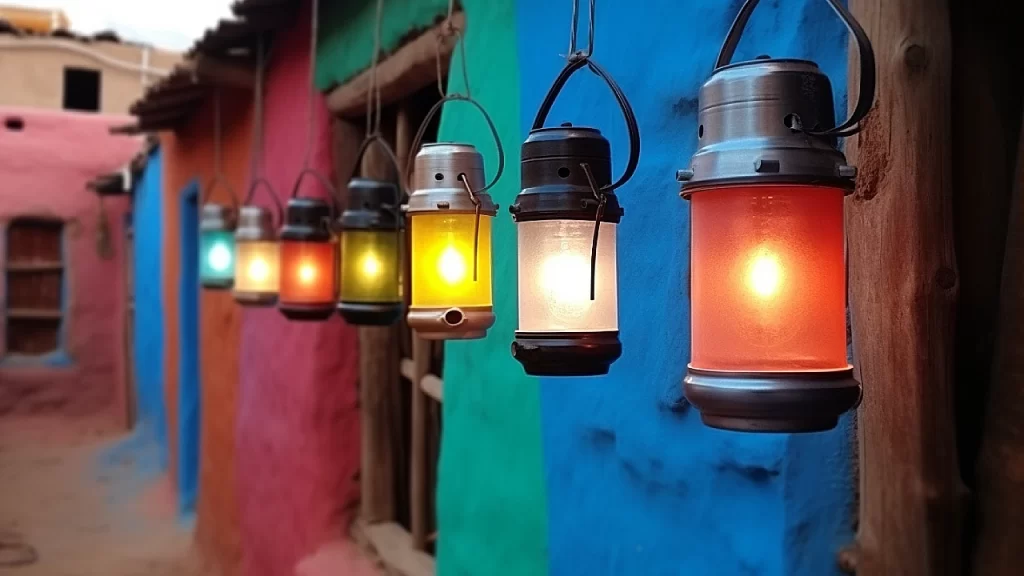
[{"x": 217, "y": 247}]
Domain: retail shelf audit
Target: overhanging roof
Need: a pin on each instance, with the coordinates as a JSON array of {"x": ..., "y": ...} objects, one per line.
[{"x": 225, "y": 55}]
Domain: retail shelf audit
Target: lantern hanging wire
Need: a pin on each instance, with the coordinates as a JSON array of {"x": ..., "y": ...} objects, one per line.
[
  {"x": 307, "y": 156},
  {"x": 373, "y": 133},
  {"x": 257, "y": 160},
  {"x": 450, "y": 31},
  {"x": 576, "y": 60},
  {"x": 218, "y": 169}
]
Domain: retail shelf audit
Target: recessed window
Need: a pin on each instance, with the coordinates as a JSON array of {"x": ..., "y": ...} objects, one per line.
[
  {"x": 14, "y": 124},
  {"x": 82, "y": 89},
  {"x": 35, "y": 286}
]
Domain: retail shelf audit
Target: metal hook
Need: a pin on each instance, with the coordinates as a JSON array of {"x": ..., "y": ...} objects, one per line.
[{"x": 602, "y": 201}]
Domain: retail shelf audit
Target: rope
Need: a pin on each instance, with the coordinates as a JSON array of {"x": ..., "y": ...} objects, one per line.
[
  {"x": 256, "y": 160},
  {"x": 373, "y": 107},
  {"x": 314, "y": 30}
]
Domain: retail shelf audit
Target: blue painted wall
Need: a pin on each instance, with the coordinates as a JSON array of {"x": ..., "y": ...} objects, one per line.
[
  {"x": 188, "y": 352},
  {"x": 635, "y": 483},
  {"x": 149, "y": 318}
]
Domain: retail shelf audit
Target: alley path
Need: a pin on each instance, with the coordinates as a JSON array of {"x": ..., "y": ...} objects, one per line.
[{"x": 78, "y": 501}]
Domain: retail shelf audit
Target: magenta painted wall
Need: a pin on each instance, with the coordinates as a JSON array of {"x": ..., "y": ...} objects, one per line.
[
  {"x": 43, "y": 172},
  {"x": 298, "y": 422}
]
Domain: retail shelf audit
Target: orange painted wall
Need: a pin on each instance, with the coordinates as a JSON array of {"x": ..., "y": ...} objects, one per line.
[{"x": 188, "y": 156}]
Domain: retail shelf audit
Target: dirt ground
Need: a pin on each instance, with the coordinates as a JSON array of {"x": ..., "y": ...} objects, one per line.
[{"x": 69, "y": 509}]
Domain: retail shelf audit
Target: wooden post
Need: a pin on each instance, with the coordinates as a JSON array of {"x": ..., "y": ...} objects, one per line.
[
  {"x": 1000, "y": 548},
  {"x": 903, "y": 287},
  {"x": 378, "y": 374}
]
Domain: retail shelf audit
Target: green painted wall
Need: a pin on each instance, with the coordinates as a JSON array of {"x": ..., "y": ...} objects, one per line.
[
  {"x": 346, "y": 33},
  {"x": 491, "y": 499},
  {"x": 492, "y": 510}
]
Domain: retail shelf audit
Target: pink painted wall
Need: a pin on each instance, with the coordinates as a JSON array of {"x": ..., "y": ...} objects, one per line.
[
  {"x": 43, "y": 172},
  {"x": 298, "y": 422}
]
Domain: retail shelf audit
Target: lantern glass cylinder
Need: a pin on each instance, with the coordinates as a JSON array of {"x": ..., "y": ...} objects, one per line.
[
  {"x": 217, "y": 257},
  {"x": 769, "y": 283},
  {"x": 442, "y": 263},
  {"x": 554, "y": 277},
  {"x": 257, "y": 267},
  {"x": 369, "y": 266}
]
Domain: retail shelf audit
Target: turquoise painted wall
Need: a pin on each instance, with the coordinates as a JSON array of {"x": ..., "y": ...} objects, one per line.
[{"x": 617, "y": 475}]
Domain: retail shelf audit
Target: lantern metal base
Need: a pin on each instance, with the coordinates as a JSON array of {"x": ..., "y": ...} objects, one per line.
[
  {"x": 306, "y": 312},
  {"x": 469, "y": 323},
  {"x": 255, "y": 299},
  {"x": 566, "y": 353},
  {"x": 371, "y": 314},
  {"x": 772, "y": 401},
  {"x": 217, "y": 283}
]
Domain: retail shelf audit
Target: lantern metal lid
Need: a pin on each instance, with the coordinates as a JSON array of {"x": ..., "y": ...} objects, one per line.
[
  {"x": 371, "y": 206},
  {"x": 772, "y": 122},
  {"x": 751, "y": 128},
  {"x": 217, "y": 217},
  {"x": 306, "y": 220},
  {"x": 255, "y": 224},
  {"x": 437, "y": 181},
  {"x": 555, "y": 183}
]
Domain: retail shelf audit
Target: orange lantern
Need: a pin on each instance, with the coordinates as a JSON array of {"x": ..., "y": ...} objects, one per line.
[
  {"x": 308, "y": 260},
  {"x": 767, "y": 262}
]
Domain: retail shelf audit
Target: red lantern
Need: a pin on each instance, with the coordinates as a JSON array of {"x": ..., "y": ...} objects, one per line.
[
  {"x": 309, "y": 275},
  {"x": 768, "y": 273}
]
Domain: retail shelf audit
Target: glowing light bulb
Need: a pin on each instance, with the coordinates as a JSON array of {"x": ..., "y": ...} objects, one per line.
[
  {"x": 219, "y": 257},
  {"x": 307, "y": 273},
  {"x": 371, "y": 265},
  {"x": 258, "y": 270},
  {"x": 765, "y": 275},
  {"x": 451, "y": 265},
  {"x": 565, "y": 278}
]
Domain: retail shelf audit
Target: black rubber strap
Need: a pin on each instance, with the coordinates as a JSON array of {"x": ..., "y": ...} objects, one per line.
[
  {"x": 866, "y": 97},
  {"x": 418, "y": 140},
  {"x": 332, "y": 194},
  {"x": 270, "y": 192},
  {"x": 212, "y": 184},
  {"x": 576, "y": 63}
]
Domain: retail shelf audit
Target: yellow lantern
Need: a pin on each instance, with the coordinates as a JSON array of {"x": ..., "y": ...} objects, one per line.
[
  {"x": 257, "y": 253},
  {"x": 450, "y": 219}
]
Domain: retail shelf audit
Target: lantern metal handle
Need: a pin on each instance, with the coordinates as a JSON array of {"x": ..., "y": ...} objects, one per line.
[
  {"x": 418, "y": 140},
  {"x": 212, "y": 184},
  {"x": 866, "y": 96},
  {"x": 332, "y": 193},
  {"x": 270, "y": 192},
  {"x": 577, "y": 62}
]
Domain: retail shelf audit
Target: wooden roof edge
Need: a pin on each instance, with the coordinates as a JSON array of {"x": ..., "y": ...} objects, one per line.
[{"x": 407, "y": 69}]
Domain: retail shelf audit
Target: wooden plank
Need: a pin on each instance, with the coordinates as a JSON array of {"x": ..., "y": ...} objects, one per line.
[
  {"x": 430, "y": 384},
  {"x": 1001, "y": 464},
  {"x": 221, "y": 72},
  {"x": 903, "y": 287},
  {"x": 418, "y": 482},
  {"x": 408, "y": 69},
  {"x": 393, "y": 546},
  {"x": 34, "y": 314},
  {"x": 16, "y": 267}
]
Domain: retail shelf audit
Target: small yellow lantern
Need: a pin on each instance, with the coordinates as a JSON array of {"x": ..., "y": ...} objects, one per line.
[{"x": 257, "y": 253}]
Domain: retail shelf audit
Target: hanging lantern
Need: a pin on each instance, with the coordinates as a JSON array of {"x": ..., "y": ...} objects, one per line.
[
  {"x": 566, "y": 217},
  {"x": 257, "y": 256},
  {"x": 450, "y": 219},
  {"x": 768, "y": 275},
  {"x": 370, "y": 265},
  {"x": 216, "y": 247},
  {"x": 308, "y": 259}
]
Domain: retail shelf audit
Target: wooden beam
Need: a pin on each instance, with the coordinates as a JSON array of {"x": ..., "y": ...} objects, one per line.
[
  {"x": 220, "y": 72},
  {"x": 408, "y": 69},
  {"x": 999, "y": 550},
  {"x": 430, "y": 385},
  {"x": 903, "y": 287}
]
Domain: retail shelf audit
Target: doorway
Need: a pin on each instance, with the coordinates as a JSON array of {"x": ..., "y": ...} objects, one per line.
[{"x": 188, "y": 352}]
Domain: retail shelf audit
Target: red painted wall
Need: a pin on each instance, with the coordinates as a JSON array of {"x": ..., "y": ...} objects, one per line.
[
  {"x": 43, "y": 172},
  {"x": 298, "y": 423},
  {"x": 189, "y": 155}
]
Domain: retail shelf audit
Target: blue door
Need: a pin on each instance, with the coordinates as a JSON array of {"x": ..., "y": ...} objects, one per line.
[{"x": 188, "y": 346}]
